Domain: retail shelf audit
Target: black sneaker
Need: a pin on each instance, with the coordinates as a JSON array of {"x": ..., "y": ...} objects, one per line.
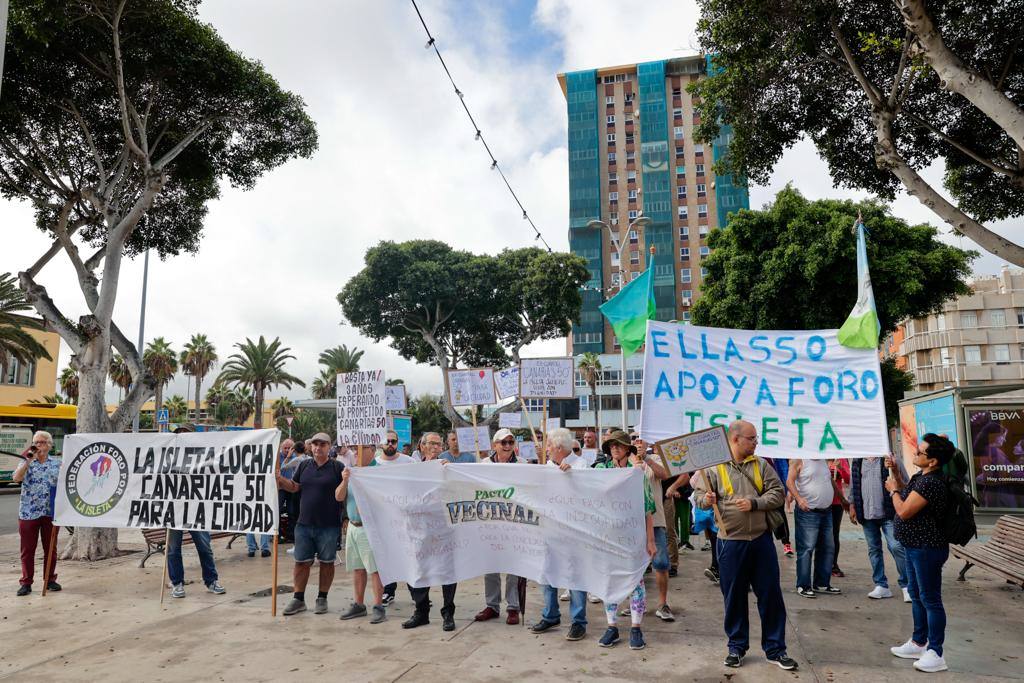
[
  {"x": 610, "y": 637},
  {"x": 673, "y": 572},
  {"x": 805, "y": 592},
  {"x": 53, "y": 586},
  {"x": 784, "y": 662},
  {"x": 264, "y": 553},
  {"x": 252, "y": 553},
  {"x": 828, "y": 590},
  {"x": 576, "y": 632},
  {"x": 24, "y": 590},
  {"x": 387, "y": 599},
  {"x": 713, "y": 575},
  {"x": 543, "y": 625},
  {"x": 734, "y": 660},
  {"x": 688, "y": 545},
  {"x": 417, "y": 619}
]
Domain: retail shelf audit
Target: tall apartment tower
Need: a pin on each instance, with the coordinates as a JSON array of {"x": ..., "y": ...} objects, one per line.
[{"x": 632, "y": 153}]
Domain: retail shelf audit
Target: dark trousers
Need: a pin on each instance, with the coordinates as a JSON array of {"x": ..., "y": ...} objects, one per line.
[
  {"x": 837, "y": 519},
  {"x": 390, "y": 588},
  {"x": 421, "y": 599},
  {"x": 30, "y": 531},
  {"x": 754, "y": 564},
  {"x": 781, "y": 532}
]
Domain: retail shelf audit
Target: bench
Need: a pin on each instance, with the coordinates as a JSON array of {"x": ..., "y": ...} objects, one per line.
[
  {"x": 1002, "y": 554},
  {"x": 155, "y": 541}
]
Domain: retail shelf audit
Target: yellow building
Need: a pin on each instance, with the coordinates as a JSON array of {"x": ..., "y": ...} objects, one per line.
[
  {"x": 149, "y": 406},
  {"x": 23, "y": 382}
]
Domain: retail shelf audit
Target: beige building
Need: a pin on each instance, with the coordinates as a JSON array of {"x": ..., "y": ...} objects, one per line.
[
  {"x": 23, "y": 382},
  {"x": 975, "y": 340}
]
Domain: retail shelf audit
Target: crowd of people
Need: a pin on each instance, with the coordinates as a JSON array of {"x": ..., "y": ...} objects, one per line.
[{"x": 739, "y": 507}]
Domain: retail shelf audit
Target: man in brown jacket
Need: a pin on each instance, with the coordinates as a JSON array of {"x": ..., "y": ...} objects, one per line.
[{"x": 742, "y": 492}]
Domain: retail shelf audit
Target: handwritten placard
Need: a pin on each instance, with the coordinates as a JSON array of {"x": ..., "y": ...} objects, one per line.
[
  {"x": 527, "y": 451},
  {"x": 510, "y": 420},
  {"x": 590, "y": 455},
  {"x": 695, "y": 451},
  {"x": 507, "y": 382},
  {"x": 471, "y": 387},
  {"x": 394, "y": 397},
  {"x": 362, "y": 416},
  {"x": 546, "y": 378},
  {"x": 468, "y": 443}
]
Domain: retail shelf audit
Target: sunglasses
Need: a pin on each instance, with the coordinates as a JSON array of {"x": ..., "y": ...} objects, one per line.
[
  {"x": 392, "y": 440},
  {"x": 575, "y": 450},
  {"x": 508, "y": 442}
]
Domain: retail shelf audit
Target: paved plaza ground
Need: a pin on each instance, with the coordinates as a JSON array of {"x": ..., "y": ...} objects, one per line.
[{"x": 107, "y": 624}]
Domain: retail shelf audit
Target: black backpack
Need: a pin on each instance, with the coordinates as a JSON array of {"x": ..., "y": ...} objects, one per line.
[{"x": 957, "y": 522}]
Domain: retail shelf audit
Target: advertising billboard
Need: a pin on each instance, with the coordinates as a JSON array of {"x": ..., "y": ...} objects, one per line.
[{"x": 997, "y": 440}]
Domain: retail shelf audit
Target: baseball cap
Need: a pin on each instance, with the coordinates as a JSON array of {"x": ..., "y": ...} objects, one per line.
[
  {"x": 501, "y": 435},
  {"x": 321, "y": 436}
]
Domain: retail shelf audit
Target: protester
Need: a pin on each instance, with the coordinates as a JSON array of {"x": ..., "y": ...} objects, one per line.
[
  {"x": 872, "y": 508},
  {"x": 840, "y": 472},
  {"x": 920, "y": 505},
  {"x": 744, "y": 491},
  {"x": 656, "y": 473},
  {"x": 286, "y": 531},
  {"x": 453, "y": 454},
  {"x": 781, "y": 532},
  {"x": 620, "y": 452},
  {"x": 504, "y": 452},
  {"x": 813, "y": 488},
  {"x": 264, "y": 544},
  {"x": 431, "y": 443},
  {"x": 418, "y": 453},
  {"x": 389, "y": 455},
  {"x": 407, "y": 449},
  {"x": 703, "y": 520},
  {"x": 318, "y": 521},
  {"x": 590, "y": 438},
  {"x": 38, "y": 478},
  {"x": 560, "y": 454}
]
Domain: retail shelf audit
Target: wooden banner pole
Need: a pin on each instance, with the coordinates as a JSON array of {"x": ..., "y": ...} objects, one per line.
[
  {"x": 544, "y": 435},
  {"x": 476, "y": 437},
  {"x": 163, "y": 576},
  {"x": 533, "y": 434},
  {"x": 273, "y": 578},
  {"x": 49, "y": 558}
]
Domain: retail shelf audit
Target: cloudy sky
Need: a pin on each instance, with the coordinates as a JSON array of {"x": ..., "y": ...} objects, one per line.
[{"x": 397, "y": 160}]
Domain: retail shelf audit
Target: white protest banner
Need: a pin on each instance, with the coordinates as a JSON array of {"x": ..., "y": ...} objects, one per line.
[
  {"x": 394, "y": 397},
  {"x": 694, "y": 451},
  {"x": 210, "y": 481},
  {"x": 546, "y": 378},
  {"x": 510, "y": 420},
  {"x": 507, "y": 382},
  {"x": 807, "y": 395},
  {"x": 470, "y": 444},
  {"x": 362, "y": 411},
  {"x": 430, "y": 524},
  {"x": 590, "y": 455},
  {"x": 527, "y": 451},
  {"x": 472, "y": 387}
]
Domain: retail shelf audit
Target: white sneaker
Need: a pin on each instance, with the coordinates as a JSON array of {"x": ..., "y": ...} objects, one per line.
[
  {"x": 908, "y": 650},
  {"x": 906, "y": 595},
  {"x": 564, "y": 597},
  {"x": 931, "y": 662},
  {"x": 593, "y": 599},
  {"x": 178, "y": 591},
  {"x": 880, "y": 592}
]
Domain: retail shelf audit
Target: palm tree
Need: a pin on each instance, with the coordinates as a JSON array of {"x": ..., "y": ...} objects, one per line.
[
  {"x": 590, "y": 370},
  {"x": 216, "y": 395},
  {"x": 56, "y": 399},
  {"x": 325, "y": 385},
  {"x": 337, "y": 360},
  {"x": 120, "y": 375},
  {"x": 177, "y": 408},
  {"x": 282, "y": 407},
  {"x": 15, "y": 342},
  {"x": 68, "y": 381},
  {"x": 197, "y": 360},
  {"x": 162, "y": 362},
  {"x": 259, "y": 365},
  {"x": 241, "y": 401}
]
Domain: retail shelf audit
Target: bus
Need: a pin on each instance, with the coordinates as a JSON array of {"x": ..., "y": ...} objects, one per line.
[{"x": 18, "y": 423}]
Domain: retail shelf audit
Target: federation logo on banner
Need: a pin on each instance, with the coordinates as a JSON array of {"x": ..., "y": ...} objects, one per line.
[{"x": 97, "y": 479}]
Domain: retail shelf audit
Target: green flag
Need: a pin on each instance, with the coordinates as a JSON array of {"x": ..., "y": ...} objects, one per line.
[
  {"x": 629, "y": 310},
  {"x": 861, "y": 329}
]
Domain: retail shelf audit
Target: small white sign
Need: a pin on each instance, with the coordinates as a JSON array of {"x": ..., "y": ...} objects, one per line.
[
  {"x": 694, "y": 451},
  {"x": 507, "y": 382},
  {"x": 551, "y": 424},
  {"x": 527, "y": 451},
  {"x": 470, "y": 444},
  {"x": 590, "y": 455},
  {"x": 510, "y": 420},
  {"x": 394, "y": 397},
  {"x": 472, "y": 387},
  {"x": 546, "y": 378}
]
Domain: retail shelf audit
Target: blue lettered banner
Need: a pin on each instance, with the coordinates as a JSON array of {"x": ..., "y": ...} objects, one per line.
[{"x": 807, "y": 395}]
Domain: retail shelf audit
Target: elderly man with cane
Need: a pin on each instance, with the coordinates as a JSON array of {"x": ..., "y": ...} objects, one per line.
[{"x": 38, "y": 479}]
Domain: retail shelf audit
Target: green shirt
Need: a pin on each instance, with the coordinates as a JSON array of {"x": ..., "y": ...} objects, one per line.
[{"x": 649, "y": 506}]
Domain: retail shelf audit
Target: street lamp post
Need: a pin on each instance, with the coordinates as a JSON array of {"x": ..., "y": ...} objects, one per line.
[
  {"x": 142, "y": 335},
  {"x": 638, "y": 223}
]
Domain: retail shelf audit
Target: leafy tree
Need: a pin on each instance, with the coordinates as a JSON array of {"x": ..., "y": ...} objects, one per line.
[
  {"x": 884, "y": 90},
  {"x": 68, "y": 381},
  {"x": 308, "y": 422},
  {"x": 197, "y": 360},
  {"x": 453, "y": 309},
  {"x": 259, "y": 365},
  {"x": 119, "y": 122},
  {"x": 215, "y": 395},
  {"x": 428, "y": 414},
  {"x": 325, "y": 385},
  {"x": 161, "y": 364},
  {"x": 15, "y": 341},
  {"x": 792, "y": 266},
  {"x": 177, "y": 408},
  {"x": 120, "y": 375},
  {"x": 590, "y": 369},
  {"x": 55, "y": 399}
]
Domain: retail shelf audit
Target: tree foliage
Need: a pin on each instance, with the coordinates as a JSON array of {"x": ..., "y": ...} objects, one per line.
[
  {"x": 161, "y": 362},
  {"x": 335, "y": 361},
  {"x": 260, "y": 366},
  {"x": 16, "y": 342},
  {"x": 883, "y": 89},
  {"x": 428, "y": 415}
]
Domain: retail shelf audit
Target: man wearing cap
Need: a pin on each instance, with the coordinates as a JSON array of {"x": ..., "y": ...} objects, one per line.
[
  {"x": 389, "y": 455},
  {"x": 561, "y": 455},
  {"x": 318, "y": 523},
  {"x": 742, "y": 492},
  {"x": 504, "y": 452}
]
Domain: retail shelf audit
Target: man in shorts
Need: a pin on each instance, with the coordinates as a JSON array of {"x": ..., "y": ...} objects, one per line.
[{"x": 358, "y": 553}]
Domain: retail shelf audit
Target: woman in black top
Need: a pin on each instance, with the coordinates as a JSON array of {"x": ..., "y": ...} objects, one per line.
[{"x": 920, "y": 505}]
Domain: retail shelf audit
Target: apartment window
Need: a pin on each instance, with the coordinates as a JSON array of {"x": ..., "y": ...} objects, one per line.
[
  {"x": 677, "y": 92},
  {"x": 680, "y": 171},
  {"x": 629, "y": 138},
  {"x": 684, "y": 233},
  {"x": 615, "y": 220},
  {"x": 18, "y": 373},
  {"x": 969, "y": 320},
  {"x": 972, "y": 355},
  {"x": 616, "y": 279},
  {"x": 634, "y": 257},
  {"x": 677, "y": 113},
  {"x": 608, "y": 79},
  {"x": 613, "y": 178},
  {"x": 703, "y": 230},
  {"x": 634, "y": 238},
  {"x": 677, "y": 132},
  {"x": 611, "y": 157},
  {"x": 699, "y": 169},
  {"x": 633, "y": 213},
  {"x": 632, "y": 195},
  {"x": 613, "y": 196},
  {"x": 680, "y": 152},
  {"x": 940, "y": 321},
  {"x": 609, "y": 100},
  {"x": 687, "y": 293},
  {"x": 615, "y": 258},
  {"x": 611, "y": 138},
  {"x": 684, "y": 275},
  {"x": 610, "y": 119},
  {"x": 684, "y": 253},
  {"x": 581, "y": 338},
  {"x": 634, "y": 275},
  {"x": 704, "y": 251},
  {"x": 1001, "y": 354},
  {"x": 702, "y": 210},
  {"x": 997, "y": 317},
  {"x": 630, "y": 156},
  {"x": 635, "y": 376},
  {"x": 681, "y": 194},
  {"x": 1020, "y": 317},
  {"x": 584, "y": 399},
  {"x": 631, "y": 176},
  {"x": 944, "y": 357},
  {"x": 629, "y": 98},
  {"x": 683, "y": 210},
  {"x": 698, "y": 150},
  {"x": 703, "y": 273},
  {"x": 702, "y": 190},
  {"x": 686, "y": 316}
]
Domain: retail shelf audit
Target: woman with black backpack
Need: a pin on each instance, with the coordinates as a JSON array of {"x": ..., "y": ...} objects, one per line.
[{"x": 920, "y": 508}]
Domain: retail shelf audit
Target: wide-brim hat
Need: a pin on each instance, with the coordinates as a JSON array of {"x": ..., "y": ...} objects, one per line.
[{"x": 620, "y": 437}]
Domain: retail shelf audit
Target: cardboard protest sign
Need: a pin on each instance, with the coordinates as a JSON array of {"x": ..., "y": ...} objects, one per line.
[
  {"x": 546, "y": 378},
  {"x": 471, "y": 387},
  {"x": 694, "y": 451},
  {"x": 550, "y": 423},
  {"x": 470, "y": 444},
  {"x": 362, "y": 412},
  {"x": 510, "y": 420},
  {"x": 209, "y": 481},
  {"x": 590, "y": 455},
  {"x": 394, "y": 397},
  {"x": 507, "y": 382},
  {"x": 527, "y": 451},
  {"x": 807, "y": 395},
  {"x": 432, "y": 524}
]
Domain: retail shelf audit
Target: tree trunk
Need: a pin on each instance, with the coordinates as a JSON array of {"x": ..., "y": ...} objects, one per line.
[
  {"x": 257, "y": 420},
  {"x": 597, "y": 408},
  {"x": 157, "y": 402},
  {"x": 199, "y": 381}
]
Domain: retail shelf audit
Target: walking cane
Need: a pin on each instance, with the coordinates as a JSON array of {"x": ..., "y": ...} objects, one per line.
[{"x": 47, "y": 569}]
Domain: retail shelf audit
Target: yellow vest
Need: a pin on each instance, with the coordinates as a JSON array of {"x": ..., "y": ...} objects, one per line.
[{"x": 726, "y": 483}]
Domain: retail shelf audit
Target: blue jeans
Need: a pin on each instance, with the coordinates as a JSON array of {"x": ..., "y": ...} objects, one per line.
[
  {"x": 577, "y": 605},
  {"x": 201, "y": 540},
  {"x": 321, "y": 541},
  {"x": 250, "y": 541},
  {"x": 924, "y": 569},
  {"x": 874, "y": 530},
  {"x": 752, "y": 564},
  {"x": 814, "y": 538},
  {"x": 660, "y": 559}
]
